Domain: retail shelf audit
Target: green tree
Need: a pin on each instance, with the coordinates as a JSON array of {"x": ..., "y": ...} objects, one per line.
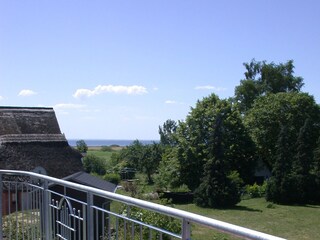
[
  {"x": 144, "y": 158},
  {"x": 133, "y": 155},
  {"x": 195, "y": 137},
  {"x": 151, "y": 159},
  {"x": 216, "y": 188},
  {"x": 316, "y": 172},
  {"x": 167, "y": 133},
  {"x": 94, "y": 164},
  {"x": 262, "y": 78},
  {"x": 279, "y": 188},
  {"x": 82, "y": 146},
  {"x": 168, "y": 176},
  {"x": 270, "y": 112}
]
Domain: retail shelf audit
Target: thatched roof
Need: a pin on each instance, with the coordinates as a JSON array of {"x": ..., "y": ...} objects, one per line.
[
  {"x": 31, "y": 137},
  {"x": 28, "y": 120}
]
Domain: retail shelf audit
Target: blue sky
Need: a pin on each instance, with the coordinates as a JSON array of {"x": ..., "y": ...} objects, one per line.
[{"x": 119, "y": 69}]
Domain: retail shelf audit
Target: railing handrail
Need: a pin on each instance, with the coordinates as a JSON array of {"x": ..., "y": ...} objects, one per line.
[{"x": 190, "y": 217}]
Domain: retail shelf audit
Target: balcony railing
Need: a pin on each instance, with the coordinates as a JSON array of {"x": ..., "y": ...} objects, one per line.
[{"x": 40, "y": 207}]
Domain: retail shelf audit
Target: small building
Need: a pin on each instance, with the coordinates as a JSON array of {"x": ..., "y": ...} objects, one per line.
[{"x": 31, "y": 140}]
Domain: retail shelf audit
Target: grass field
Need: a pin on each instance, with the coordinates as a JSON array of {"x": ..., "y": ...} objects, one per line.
[{"x": 291, "y": 222}]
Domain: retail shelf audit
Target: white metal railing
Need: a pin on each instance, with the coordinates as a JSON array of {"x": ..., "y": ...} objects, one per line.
[{"x": 40, "y": 207}]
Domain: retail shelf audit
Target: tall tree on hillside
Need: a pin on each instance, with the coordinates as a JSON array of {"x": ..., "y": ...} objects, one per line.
[{"x": 262, "y": 78}]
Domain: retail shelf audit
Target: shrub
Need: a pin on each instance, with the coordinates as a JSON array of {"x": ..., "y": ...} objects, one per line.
[
  {"x": 94, "y": 164},
  {"x": 152, "y": 218},
  {"x": 256, "y": 191},
  {"x": 112, "y": 177}
]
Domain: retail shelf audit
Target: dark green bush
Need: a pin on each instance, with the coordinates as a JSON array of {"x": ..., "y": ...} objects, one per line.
[
  {"x": 112, "y": 177},
  {"x": 94, "y": 164}
]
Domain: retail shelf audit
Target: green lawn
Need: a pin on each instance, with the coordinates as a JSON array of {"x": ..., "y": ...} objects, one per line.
[{"x": 291, "y": 222}]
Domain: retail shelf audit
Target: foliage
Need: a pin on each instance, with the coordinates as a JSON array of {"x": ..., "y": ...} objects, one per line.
[
  {"x": 256, "y": 191},
  {"x": 196, "y": 138},
  {"x": 18, "y": 226},
  {"x": 182, "y": 188},
  {"x": 168, "y": 171},
  {"x": 272, "y": 111},
  {"x": 167, "y": 133},
  {"x": 216, "y": 188},
  {"x": 106, "y": 149},
  {"x": 262, "y": 78},
  {"x": 131, "y": 186},
  {"x": 144, "y": 158},
  {"x": 154, "y": 219},
  {"x": 316, "y": 172},
  {"x": 112, "y": 177},
  {"x": 281, "y": 187},
  {"x": 82, "y": 146},
  {"x": 94, "y": 164}
]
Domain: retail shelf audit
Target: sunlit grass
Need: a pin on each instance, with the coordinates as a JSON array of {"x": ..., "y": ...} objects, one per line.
[{"x": 291, "y": 222}]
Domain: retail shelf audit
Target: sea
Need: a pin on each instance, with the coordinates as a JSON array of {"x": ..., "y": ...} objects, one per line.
[{"x": 108, "y": 142}]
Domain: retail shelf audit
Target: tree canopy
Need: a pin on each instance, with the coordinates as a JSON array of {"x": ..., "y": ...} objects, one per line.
[
  {"x": 262, "y": 78},
  {"x": 270, "y": 112}
]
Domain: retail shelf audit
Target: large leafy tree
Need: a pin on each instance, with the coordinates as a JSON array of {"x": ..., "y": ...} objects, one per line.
[
  {"x": 270, "y": 112},
  {"x": 196, "y": 137},
  {"x": 262, "y": 78},
  {"x": 167, "y": 133},
  {"x": 82, "y": 146},
  {"x": 144, "y": 158}
]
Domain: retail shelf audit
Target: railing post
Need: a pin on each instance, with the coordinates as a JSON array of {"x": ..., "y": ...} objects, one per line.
[
  {"x": 1, "y": 196},
  {"x": 46, "y": 216},
  {"x": 90, "y": 223},
  {"x": 186, "y": 230}
]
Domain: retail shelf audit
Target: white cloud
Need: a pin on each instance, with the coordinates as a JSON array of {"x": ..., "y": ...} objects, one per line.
[
  {"x": 26, "y": 93},
  {"x": 173, "y": 102},
  {"x": 170, "y": 102},
  {"x": 63, "y": 106},
  {"x": 1, "y": 98},
  {"x": 208, "y": 87},
  {"x": 131, "y": 90}
]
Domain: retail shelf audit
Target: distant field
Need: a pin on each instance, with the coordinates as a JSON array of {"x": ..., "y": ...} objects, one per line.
[{"x": 106, "y": 155}]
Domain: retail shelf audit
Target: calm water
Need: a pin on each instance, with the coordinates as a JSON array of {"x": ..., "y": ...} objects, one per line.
[{"x": 108, "y": 142}]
